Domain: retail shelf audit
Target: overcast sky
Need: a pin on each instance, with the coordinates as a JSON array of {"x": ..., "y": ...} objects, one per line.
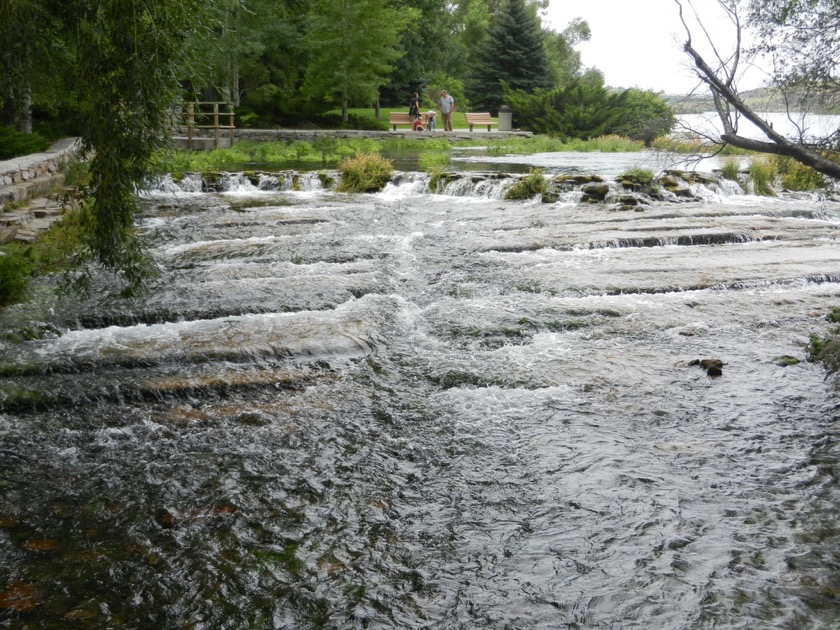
[{"x": 636, "y": 43}]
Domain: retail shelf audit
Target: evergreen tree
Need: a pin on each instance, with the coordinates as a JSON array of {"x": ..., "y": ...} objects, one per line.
[
  {"x": 585, "y": 109},
  {"x": 514, "y": 53}
]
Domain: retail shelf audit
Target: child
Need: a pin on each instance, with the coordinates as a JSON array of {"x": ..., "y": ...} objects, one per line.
[
  {"x": 431, "y": 125},
  {"x": 418, "y": 124}
]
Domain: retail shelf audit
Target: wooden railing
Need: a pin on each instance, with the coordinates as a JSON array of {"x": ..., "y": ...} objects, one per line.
[{"x": 216, "y": 116}]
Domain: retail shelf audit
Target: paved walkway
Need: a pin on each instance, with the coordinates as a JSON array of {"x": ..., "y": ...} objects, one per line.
[{"x": 30, "y": 190}]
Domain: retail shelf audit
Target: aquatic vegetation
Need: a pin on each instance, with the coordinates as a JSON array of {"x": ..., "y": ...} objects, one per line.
[
  {"x": 548, "y": 144},
  {"x": 796, "y": 176},
  {"x": 825, "y": 350},
  {"x": 15, "y": 270},
  {"x": 687, "y": 145},
  {"x": 433, "y": 160},
  {"x": 528, "y": 187},
  {"x": 731, "y": 169},
  {"x": 641, "y": 176}
]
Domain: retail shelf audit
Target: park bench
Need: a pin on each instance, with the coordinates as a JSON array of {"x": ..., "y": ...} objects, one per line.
[
  {"x": 401, "y": 118},
  {"x": 479, "y": 118}
]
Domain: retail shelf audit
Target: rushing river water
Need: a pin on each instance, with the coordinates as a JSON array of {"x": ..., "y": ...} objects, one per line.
[{"x": 415, "y": 410}]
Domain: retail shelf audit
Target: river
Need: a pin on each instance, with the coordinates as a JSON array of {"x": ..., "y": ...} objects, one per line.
[{"x": 416, "y": 410}]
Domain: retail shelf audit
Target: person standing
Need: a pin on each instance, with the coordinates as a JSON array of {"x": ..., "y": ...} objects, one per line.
[
  {"x": 446, "y": 105},
  {"x": 414, "y": 106}
]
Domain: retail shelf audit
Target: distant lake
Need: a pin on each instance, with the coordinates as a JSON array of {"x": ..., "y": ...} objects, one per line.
[{"x": 790, "y": 125}]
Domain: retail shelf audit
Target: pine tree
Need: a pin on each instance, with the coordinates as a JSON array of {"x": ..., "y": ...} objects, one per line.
[{"x": 513, "y": 53}]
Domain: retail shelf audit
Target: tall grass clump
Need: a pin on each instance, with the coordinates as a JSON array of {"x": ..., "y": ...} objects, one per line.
[
  {"x": 433, "y": 160},
  {"x": 731, "y": 169},
  {"x": 796, "y": 176},
  {"x": 364, "y": 173},
  {"x": 763, "y": 174}
]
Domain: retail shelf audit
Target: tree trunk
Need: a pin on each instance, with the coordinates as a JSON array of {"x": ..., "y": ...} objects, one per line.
[
  {"x": 25, "y": 121},
  {"x": 376, "y": 107}
]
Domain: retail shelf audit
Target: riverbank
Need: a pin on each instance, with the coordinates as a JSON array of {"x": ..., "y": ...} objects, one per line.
[
  {"x": 310, "y": 135},
  {"x": 31, "y": 186}
]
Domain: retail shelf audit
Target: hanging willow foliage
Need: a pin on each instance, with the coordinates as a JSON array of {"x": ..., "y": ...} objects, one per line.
[{"x": 129, "y": 57}]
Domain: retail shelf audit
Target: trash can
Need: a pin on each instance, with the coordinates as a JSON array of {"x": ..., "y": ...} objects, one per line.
[{"x": 505, "y": 118}]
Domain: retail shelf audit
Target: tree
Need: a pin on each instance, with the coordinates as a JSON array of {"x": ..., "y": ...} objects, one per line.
[
  {"x": 644, "y": 116},
  {"x": 721, "y": 78},
  {"x": 424, "y": 49},
  {"x": 120, "y": 62},
  {"x": 513, "y": 52},
  {"x": 564, "y": 61},
  {"x": 354, "y": 46},
  {"x": 803, "y": 39},
  {"x": 245, "y": 36},
  {"x": 31, "y": 53}
]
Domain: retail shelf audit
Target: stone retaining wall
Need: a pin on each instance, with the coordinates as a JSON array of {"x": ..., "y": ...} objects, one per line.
[{"x": 24, "y": 177}]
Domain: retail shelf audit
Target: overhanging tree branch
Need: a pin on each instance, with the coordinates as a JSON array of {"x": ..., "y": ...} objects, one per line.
[{"x": 725, "y": 94}]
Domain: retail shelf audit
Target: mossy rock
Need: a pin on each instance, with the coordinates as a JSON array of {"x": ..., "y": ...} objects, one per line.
[
  {"x": 577, "y": 180},
  {"x": 670, "y": 182},
  {"x": 595, "y": 191},
  {"x": 693, "y": 177}
]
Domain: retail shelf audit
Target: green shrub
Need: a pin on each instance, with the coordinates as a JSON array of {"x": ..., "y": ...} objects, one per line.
[
  {"x": 14, "y": 143},
  {"x": 54, "y": 251},
  {"x": 528, "y": 187},
  {"x": 364, "y": 172},
  {"x": 15, "y": 270},
  {"x": 763, "y": 174},
  {"x": 77, "y": 174}
]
